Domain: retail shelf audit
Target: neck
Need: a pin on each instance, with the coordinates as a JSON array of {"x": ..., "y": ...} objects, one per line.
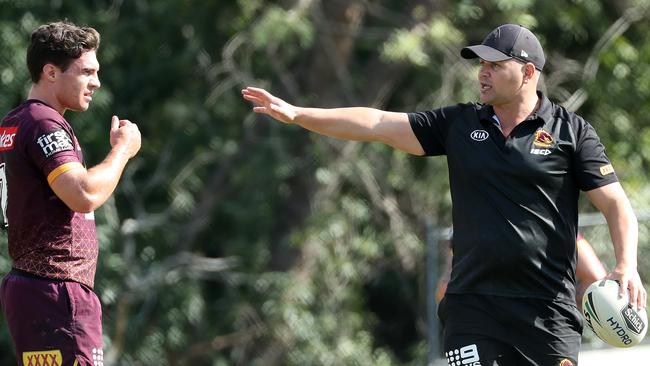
[
  {"x": 513, "y": 113},
  {"x": 46, "y": 95}
]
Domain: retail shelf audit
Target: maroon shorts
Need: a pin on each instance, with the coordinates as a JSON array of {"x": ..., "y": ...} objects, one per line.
[{"x": 52, "y": 322}]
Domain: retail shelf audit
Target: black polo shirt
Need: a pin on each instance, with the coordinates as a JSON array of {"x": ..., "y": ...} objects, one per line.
[{"x": 515, "y": 199}]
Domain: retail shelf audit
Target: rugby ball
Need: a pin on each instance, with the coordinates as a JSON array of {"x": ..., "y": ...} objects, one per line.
[{"x": 613, "y": 320}]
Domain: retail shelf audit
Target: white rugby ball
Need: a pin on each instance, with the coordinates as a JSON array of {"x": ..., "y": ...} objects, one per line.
[{"x": 613, "y": 319}]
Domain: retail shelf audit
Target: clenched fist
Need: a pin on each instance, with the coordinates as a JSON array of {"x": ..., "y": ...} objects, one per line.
[{"x": 126, "y": 134}]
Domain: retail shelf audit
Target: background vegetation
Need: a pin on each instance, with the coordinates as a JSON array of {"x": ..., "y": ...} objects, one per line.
[{"x": 235, "y": 240}]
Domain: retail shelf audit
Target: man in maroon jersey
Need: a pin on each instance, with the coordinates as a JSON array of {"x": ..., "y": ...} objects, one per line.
[{"x": 48, "y": 199}]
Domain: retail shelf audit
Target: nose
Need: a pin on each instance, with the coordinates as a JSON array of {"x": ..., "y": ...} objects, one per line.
[
  {"x": 483, "y": 71},
  {"x": 94, "y": 82}
]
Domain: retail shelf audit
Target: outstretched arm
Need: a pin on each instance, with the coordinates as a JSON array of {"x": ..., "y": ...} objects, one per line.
[
  {"x": 623, "y": 228},
  {"x": 357, "y": 123}
]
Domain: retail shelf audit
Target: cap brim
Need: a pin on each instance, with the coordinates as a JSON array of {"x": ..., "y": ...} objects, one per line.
[{"x": 483, "y": 52}]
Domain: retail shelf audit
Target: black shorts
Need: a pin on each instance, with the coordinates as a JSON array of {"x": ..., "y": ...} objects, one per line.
[{"x": 494, "y": 330}]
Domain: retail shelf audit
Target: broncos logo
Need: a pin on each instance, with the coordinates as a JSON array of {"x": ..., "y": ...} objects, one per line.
[{"x": 543, "y": 139}]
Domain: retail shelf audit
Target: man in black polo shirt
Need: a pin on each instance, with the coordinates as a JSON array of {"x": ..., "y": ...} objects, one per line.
[{"x": 517, "y": 162}]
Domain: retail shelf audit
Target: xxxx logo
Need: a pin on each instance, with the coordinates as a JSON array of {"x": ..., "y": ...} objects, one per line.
[{"x": 43, "y": 358}]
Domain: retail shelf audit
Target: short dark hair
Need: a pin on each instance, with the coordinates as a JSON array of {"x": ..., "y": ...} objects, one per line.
[{"x": 58, "y": 43}]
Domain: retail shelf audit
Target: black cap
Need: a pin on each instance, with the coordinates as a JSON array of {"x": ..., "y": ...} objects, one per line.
[{"x": 506, "y": 42}]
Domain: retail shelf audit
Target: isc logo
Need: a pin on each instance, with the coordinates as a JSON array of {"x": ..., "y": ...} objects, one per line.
[
  {"x": 479, "y": 135},
  {"x": 540, "y": 151}
]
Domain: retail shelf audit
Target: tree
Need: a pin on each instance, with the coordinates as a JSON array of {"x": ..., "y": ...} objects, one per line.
[{"x": 233, "y": 240}]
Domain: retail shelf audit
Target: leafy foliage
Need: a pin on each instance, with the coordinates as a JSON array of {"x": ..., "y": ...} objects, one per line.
[{"x": 235, "y": 240}]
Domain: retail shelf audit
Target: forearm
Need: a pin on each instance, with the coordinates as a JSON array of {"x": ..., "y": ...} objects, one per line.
[
  {"x": 623, "y": 228},
  {"x": 85, "y": 190},
  {"x": 612, "y": 201},
  {"x": 102, "y": 179},
  {"x": 356, "y": 123}
]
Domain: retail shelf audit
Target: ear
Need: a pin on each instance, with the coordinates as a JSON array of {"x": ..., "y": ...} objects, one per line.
[
  {"x": 50, "y": 72},
  {"x": 529, "y": 71}
]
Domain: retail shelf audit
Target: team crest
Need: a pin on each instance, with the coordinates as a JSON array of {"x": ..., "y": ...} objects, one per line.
[
  {"x": 543, "y": 139},
  {"x": 565, "y": 362}
]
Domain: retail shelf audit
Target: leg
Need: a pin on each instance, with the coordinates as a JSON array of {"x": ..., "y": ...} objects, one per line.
[
  {"x": 48, "y": 323},
  {"x": 554, "y": 334},
  {"x": 469, "y": 334},
  {"x": 87, "y": 324},
  {"x": 474, "y": 350},
  {"x": 509, "y": 331}
]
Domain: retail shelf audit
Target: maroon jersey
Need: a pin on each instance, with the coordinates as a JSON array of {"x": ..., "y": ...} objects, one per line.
[{"x": 46, "y": 238}]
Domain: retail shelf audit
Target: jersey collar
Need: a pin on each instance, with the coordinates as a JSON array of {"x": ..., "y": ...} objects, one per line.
[{"x": 544, "y": 113}]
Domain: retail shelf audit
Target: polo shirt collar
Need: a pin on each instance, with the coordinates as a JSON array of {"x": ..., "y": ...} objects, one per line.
[
  {"x": 486, "y": 113},
  {"x": 545, "y": 111}
]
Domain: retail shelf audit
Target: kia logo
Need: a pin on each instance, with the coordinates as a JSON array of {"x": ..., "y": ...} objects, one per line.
[{"x": 479, "y": 135}]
